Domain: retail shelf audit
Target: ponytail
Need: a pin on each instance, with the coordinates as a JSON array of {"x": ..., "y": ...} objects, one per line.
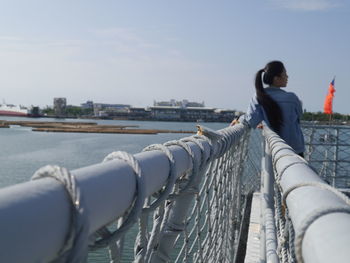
[{"x": 272, "y": 109}]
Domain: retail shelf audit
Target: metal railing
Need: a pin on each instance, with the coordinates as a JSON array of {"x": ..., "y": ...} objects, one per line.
[
  {"x": 328, "y": 152},
  {"x": 184, "y": 201},
  {"x": 62, "y": 213},
  {"x": 312, "y": 218}
]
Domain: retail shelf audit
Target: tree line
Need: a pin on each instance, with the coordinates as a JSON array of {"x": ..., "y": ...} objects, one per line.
[{"x": 322, "y": 117}]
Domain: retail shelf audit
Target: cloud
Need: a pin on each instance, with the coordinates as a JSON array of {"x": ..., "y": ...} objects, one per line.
[
  {"x": 10, "y": 38},
  {"x": 125, "y": 40},
  {"x": 112, "y": 65},
  {"x": 306, "y": 5}
]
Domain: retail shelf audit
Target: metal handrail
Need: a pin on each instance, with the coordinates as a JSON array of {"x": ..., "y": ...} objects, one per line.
[{"x": 320, "y": 214}]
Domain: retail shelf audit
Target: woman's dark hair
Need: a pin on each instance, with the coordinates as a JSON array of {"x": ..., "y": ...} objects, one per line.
[{"x": 272, "y": 109}]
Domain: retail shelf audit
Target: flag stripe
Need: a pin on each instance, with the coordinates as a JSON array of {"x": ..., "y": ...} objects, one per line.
[{"x": 328, "y": 103}]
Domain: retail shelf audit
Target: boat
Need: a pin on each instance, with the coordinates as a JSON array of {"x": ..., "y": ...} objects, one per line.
[
  {"x": 13, "y": 110},
  {"x": 327, "y": 138}
]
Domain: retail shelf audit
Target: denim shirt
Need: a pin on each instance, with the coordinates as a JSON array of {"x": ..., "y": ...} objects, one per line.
[{"x": 291, "y": 110}]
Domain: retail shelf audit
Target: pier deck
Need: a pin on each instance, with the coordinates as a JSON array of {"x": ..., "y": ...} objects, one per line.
[{"x": 253, "y": 243}]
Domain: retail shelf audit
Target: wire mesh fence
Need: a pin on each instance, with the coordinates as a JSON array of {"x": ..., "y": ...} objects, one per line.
[
  {"x": 328, "y": 152},
  {"x": 211, "y": 231}
]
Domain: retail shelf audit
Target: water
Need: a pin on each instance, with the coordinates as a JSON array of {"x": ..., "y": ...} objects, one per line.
[{"x": 23, "y": 151}]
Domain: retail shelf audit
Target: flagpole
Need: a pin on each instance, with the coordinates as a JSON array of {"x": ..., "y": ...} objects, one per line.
[{"x": 331, "y": 115}]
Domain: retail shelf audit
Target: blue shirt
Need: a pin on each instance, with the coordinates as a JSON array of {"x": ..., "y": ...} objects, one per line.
[{"x": 291, "y": 109}]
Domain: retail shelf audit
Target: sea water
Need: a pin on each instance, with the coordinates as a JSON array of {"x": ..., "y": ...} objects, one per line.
[{"x": 23, "y": 151}]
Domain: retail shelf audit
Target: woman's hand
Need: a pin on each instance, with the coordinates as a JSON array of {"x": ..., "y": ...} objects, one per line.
[{"x": 234, "y": 122}]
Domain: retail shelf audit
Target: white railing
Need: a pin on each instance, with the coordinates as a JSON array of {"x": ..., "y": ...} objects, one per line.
[
  {"x": 184, "y": 201},
  {"x": 312, "y": 219},
  {"x": 61, "y": 214}
]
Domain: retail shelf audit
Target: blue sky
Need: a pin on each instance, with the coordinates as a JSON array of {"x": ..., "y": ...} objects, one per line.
[{"x": 134, "y": 52}]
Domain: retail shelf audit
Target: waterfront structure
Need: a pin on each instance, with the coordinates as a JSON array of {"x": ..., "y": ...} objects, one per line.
[
  {"x": 161, "y": 111},
  {"x": 166, "y": 113},
  {"x": 174, "y": 103},
  {"x": 199, "y": 114},
  {"x": 226, "y": 114},
  {"x": 139, "y": 113},
  {"x": 188, "y": 111},
  {"x": 87, "y": 105},
  {"x": 105, "y": 109},
  {"x": 177, "y": 113},
  {"x": 59, "y": 106}
]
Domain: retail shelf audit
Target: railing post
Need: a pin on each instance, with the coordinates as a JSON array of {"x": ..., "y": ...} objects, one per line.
[
  {"x": 268, "y": 240},
  {"x": 262, "y": 215},
  {"x": 335, "y": 167}
]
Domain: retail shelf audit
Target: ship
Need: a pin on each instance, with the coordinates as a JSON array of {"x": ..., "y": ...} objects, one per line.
[{"x": 13, "y": 110}]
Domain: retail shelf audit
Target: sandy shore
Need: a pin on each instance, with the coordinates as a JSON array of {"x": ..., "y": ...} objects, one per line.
[{"x": 84, "y": 127}]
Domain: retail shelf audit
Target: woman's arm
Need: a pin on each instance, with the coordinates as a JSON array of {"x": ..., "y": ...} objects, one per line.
[{"x": 253, "y": 116}]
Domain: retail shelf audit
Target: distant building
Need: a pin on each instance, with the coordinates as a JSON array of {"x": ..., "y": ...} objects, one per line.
[
  {"x": 177, "y": 113},
  {"x": 59, "y": 106},
  {"x": 139, "y": 113},
  {"x": 35, "y": 111},
  {"x": 226, "y": 115},
  {"x": 161, "y": 111},
  {"x": 198, "y": 114},
  {"x": 87, "y": 105},
  {"x": 166, "y": 113},
  {"x": 104, "y": 109},
  {"x": 170, "y": 103},
  {"x": 189, "y": 111},
  {"x": 182, "y": 104}
]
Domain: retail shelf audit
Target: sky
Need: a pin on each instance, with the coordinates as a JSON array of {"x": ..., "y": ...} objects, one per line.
[{"x": 135, "y": 52}]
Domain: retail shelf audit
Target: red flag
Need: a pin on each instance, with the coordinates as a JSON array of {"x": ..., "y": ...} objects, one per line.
[{"x": 329, "y": 99}]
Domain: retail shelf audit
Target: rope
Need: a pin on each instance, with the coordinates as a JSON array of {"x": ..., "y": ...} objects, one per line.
[
  {"x": 191, "y": 178},
  {"x": 162, "y": 196},
  {"x": 275, "y": 160},
  {"x": 171, "y": 177},
  {"x": 76, "y": 243},
  {"x": 286, "y": 167},
  {"x": 139, "y": 200},
  {"x": 315, "y": 184}
]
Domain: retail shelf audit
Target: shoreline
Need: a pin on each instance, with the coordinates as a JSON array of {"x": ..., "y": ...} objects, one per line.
[{"x": 85, "y": 127}]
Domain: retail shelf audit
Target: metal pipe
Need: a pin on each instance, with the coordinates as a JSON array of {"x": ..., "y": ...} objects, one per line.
[
  {"x": 320, "y": 214},
  {"x": 269, "y": 237}
]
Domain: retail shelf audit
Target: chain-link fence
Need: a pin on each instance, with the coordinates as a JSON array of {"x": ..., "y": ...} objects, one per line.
[{"x": 328, "y": 152}]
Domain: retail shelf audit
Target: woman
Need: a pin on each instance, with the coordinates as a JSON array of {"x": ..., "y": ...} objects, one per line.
[{"x": 281, "y": 110}]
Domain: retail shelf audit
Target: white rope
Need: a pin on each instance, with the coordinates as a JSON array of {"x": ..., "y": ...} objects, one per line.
[
  {"x": 323, "y": 186},
  {"x": 171, "y": 177},
  {"x": 138, "y": 203},
  {"x": 76, "y": 244},
  {"x": 158, "y": 203}
]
